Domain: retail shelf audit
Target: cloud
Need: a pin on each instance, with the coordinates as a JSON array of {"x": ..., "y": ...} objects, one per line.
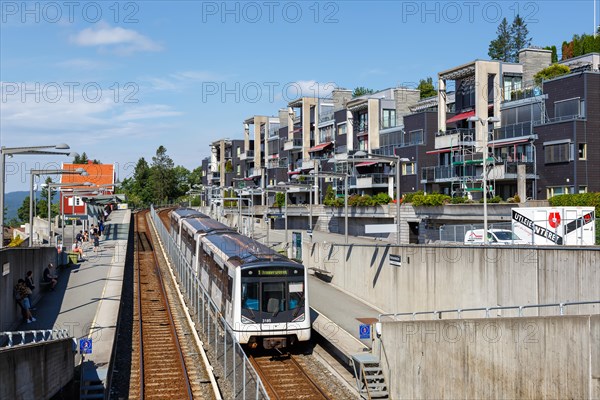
[
  {"x": 120, "y": 40},
  {"x": 178, "y": 81},
  {"x": 81, "y": 63},
  {"x": 146, "y": 112}
]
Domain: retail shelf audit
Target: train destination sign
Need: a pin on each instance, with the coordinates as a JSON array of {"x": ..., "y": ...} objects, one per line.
[{"x": 255, "y": 272}]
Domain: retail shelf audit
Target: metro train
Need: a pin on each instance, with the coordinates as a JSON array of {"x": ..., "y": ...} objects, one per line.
[{"x": 261, "y": 294}]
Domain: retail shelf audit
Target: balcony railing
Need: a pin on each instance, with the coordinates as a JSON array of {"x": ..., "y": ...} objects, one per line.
[
  {"x": 297, "y": 118},
  {"x": 558, "y": 119},
  {"x": 247, "y": 154},
  {"x": 361, "y": 128},
  {"x": 508, "y": 170},
  {"x": 524, "y": 93},
  {"x": 293, "y": 144},
  {"x": 365, "y": 181},
  {"x": 513, "y": 131},
  {"x": 326, "y": 116},
  {"x": 445, "y": 173},
  {"x": 282, "y": 163}
]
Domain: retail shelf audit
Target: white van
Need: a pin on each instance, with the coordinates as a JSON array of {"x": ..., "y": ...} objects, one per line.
[{"x": 495, "y": 236}]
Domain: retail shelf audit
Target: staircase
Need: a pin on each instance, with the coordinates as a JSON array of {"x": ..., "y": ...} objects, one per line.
[
  {"x": 369, "y": 377},
  {"x": 91, "y": 386}
]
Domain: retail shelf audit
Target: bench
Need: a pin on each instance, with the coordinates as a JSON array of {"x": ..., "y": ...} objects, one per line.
[{"x": 45, "y": 285}]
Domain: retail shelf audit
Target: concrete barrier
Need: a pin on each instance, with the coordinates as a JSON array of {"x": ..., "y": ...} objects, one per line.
[
  {"x": 447, "y": 277},
  {"x": 36, "y": 371},
  {"x": 14, "y": 264},
  {"x": 525, "y": 358}
]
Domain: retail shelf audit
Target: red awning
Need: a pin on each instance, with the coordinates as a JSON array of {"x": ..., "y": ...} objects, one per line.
[
  {"x": 461, "y": 117},
  {"x": 248, "y": 179},
  {"x": 319, "y": 147},
  {"x": 440, "y": 151},
  {"x": 366, "y": 163},
  {"x": 293, "y": 172}
]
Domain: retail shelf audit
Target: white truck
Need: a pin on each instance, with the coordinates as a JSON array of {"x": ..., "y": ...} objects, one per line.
[{"x": 574, "y": 226}]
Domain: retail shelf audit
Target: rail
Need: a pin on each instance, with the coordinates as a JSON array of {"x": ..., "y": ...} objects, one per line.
[
  {"x": 228, "y": 352},
  {"x": 17, "y": 338},
  {"x": 459, "y": 311}
]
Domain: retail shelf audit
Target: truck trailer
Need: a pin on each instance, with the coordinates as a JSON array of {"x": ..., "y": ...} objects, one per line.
[{"x": 571, "y": 226}]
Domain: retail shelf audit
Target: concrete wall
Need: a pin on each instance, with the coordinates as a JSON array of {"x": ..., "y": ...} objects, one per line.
[
  {"x": 19, "y": 261},
  {"x": 525, "y": 358},
  {"x": 448, "y": 277},
  {"x": 36, "y": 371}
]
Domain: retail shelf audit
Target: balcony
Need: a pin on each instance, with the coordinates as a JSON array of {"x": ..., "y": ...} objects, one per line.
[
  {"x": 253, "y": 172},
  {"x": 297, "y": 119},
  {"x": 508, "y": 170},
  {"x": 248, "y": 154},
  {"x": 326, "y": 117},
  {"x": 293, "y": 145},
  {"x": 369, "y": 181},
  {"x": 441, "y": 173},
  {"x": 308, "y": 164},
  {"x": 361, "y": 129},
  {"x": 454, "y": 138},
  {"x": 214, "y": 176},
  {"x": 277, "y": 163},
  {"x": 513, "y": 131}
]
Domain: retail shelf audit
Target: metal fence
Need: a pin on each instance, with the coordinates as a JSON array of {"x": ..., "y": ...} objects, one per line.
[
  {"x": 10, "y": 339},
  {"x": 456, "y": 233},
  {"x": 228, "y": 353}
]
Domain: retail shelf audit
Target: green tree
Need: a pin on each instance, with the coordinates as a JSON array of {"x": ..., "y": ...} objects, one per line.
[
  {"x": 554, "y": 53},
  {"x": 426, "y": 88},
  {"x": 81, "y": 159},
  {"x": 550, "y": 72},
  {"x": 520, "y": 38},
  {"x": 164, "y": 182},
  {"x": 195, "y": 177},
  {"x": 23, "y": 211},
  {"x": 500, "y": 48},
  {"x": 361, "y": 91},
  {"x": 182, "y": 177}
]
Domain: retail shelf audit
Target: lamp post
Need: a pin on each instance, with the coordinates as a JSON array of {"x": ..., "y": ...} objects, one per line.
[
  {"x": 57, "y": 185},
  {"x": 74, "y": 192},
  {"x": 35, "y": 172},
  {"x": 398, "y": 161},
  {"x": 484, "y": 150},
  {"x": 33, "y": 150}
]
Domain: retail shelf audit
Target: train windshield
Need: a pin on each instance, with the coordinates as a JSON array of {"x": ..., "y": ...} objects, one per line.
[{"x": 271, "y": 299}]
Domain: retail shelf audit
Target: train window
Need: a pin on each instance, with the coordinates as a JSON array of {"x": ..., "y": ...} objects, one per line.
[
  {"x": 229, "y": 287},
  {"x": 273, "y": 297},
  {"x": 250, "y": 296},
  {"x": 296, "y": 290}
]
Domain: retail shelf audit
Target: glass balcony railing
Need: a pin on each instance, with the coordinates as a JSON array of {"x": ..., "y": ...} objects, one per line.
[{"x": 513, "y": 131}]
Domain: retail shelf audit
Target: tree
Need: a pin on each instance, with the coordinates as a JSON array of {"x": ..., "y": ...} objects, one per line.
[
  {"x": 500, "y": 48},
  {"x": 195, "y": 177},
  {"x": 23, "y": 211},
  {"x": 519, "y": 38},
  {"x": 554, "y": 53},
  {"x": 42, "y": 208},
  {"x": 361, "y": 91},
  {"x": 164, "y": 182},
  {"x": 550, "y": 72},
  {"x": 426, "y": 87},
  {"x": 182, "y": 177},
  {"x": 81, "y": 159}
]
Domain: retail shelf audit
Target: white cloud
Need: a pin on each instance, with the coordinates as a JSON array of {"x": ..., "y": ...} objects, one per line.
[
  {"x": 146, "y": 112},
  {"x": 179, "y": 81},
  {"x": 120, "y": 40}
]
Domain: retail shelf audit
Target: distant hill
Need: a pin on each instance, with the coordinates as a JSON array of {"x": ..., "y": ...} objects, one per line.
[{"x": 14, "y": 200}]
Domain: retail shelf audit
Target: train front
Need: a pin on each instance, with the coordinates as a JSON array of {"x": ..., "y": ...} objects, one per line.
[{"x": 274, "y": 309}]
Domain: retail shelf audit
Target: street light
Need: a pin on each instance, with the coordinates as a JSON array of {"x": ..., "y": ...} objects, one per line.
[
  {"x": 484, "y": 150},
  {"x": 87, "y": 191},
  {"x": 399, "y": 161},
  {"x": 34, "y": 172},
  {"x": 57, "y": 185},
  {"x": 33, "y": 150}
]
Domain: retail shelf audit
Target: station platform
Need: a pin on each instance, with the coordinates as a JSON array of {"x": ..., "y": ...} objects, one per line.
[{"x": 87, "y": 297}]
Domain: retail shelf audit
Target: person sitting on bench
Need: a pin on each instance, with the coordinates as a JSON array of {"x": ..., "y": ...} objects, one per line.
[{"x": 49, "y": 276}]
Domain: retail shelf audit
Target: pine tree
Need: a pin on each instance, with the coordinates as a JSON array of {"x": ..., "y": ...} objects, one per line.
[
  {"x": 519, "y": 38},
  {"x": 361, "y": 91},
  {"x": 500, "y": 48}
]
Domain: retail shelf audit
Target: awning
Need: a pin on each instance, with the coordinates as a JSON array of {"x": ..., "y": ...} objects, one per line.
[
  {"x": 366, "y": 163},
  {"x": 440, "y": 151},
  {"x": 249, "y": 179},
  {"x": 461, "y": 117},
  {"x": 512, "y": 142},
  {"x": 319, "y": 147},
  {"x": 293, "y": 172}
]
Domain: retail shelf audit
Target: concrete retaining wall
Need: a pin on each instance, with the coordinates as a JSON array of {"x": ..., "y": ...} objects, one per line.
[
  {"x": 525, "y": 358},
  {"x": 17, "y": 261},
  {"x": 444, "y": 277},
  {"x": 36, "y": 371}
]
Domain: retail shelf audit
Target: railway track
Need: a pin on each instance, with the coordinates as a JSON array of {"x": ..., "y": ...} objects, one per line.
[
  {"x": 285, "y": 378},
  {"x": 160, "y": 362}
]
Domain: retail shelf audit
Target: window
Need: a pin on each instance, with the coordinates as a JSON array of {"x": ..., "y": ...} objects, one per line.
[
  {"x": 409, "y": 168},
  {"x": 342, "y": 129},
  {"x": 250, "y": 296},
  {"x": 239, "y": 170},
  {"x": 389, "y": 119},
  {"x": 273, "y": 297},
  {"x": 558, "y": 153},
  {"x": 557, "y": 190},
  {"x": 583, "y": 189},
  {"x": 582, "y": 152},
  {"x": 238, "y": 150},
  {"x": 414, "y": 137}
]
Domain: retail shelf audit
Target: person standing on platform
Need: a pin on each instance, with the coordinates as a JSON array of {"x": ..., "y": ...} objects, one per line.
[
  {"x": 101, "y": 228},
  {"x": 96, "y": 243}
]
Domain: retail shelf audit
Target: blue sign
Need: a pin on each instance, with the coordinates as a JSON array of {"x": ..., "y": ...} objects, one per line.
[
  {"x": 85, "y": 346},
  {"x": 364, "y": 331}
]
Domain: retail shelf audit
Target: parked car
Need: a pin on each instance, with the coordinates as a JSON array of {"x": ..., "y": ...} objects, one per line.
[{"x": 495, "y": 236}]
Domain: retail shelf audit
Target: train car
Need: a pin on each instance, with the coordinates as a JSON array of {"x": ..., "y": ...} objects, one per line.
[
  {"x": 192, "y": 229},
  {"x": 262, "y": 294},
  {"x": 177, "y": 217}
]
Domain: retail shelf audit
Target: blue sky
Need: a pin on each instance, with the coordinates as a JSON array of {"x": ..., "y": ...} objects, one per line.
[{"x": 117, "y": 80}]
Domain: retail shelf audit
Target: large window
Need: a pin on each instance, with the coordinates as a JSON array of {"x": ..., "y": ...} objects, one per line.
[
  {"x": 558, "y": 153},
  {"x": 409, "y": 168},
  {"x": 389, "y": 119},
  {"x": 342, "y": 129},
  {"x": 273, "y": 297}
]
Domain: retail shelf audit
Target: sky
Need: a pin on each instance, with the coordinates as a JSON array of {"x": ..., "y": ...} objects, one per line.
[{"x": 118, "y": 79}]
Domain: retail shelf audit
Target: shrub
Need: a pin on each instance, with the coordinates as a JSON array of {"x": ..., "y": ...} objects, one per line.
[
  {"x": 434, "y": 199},
  {"x": 381, "y": 198},
  {"x": 279, "y": 200},
  {"x": 550, "y": 72},
  {"x": 458, "y": 200},
  {"x": 329, "y": 199},
  {"x": 408, "y": 197}
]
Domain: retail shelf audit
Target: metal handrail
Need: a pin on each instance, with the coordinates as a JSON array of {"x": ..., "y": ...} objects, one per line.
[
  {"x": 46, "y": 336},
  {"x": 487, "y": 310}
]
